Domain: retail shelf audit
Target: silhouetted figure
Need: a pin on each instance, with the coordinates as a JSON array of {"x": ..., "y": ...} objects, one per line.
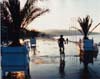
[
  {"x": 67, "y": 40},
  {"x": 80, "y": 40},
  {"x": 61, "y": 42},
  {"x": 61, "y": 68},
  {"x": 33, "y": 44}
]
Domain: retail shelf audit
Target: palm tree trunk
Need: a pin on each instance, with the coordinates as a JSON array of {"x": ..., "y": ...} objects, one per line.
[
  {"x": 16, "y": 37},
  {"x": 85, "y": 37}
]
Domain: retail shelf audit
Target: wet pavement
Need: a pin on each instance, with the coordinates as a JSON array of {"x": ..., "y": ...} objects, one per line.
[
  {"x": 48, "y": 65},
  {"x": 53, "y": 68}
]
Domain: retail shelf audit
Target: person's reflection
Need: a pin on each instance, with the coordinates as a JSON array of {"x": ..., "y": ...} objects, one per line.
[
  {"x": 62, "y": 55},
  {"x": 62, "y": 67},
  {"x": 85, "y": 74}
]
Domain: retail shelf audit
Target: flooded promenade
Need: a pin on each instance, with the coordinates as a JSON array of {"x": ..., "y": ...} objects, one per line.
[
  {"x": 46, "y": 64},
  {"x": 34, "y": 34}
]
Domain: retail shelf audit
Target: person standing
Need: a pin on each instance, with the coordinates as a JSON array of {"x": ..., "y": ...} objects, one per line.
[
  {"x": 61, "y": 42},
  {"x": 67, "y": 40},
  {"x": 33, "y": 45}
]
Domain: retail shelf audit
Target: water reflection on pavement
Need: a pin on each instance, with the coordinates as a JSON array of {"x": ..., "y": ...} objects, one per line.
[
  {"x": 47, "y": 64},
  {"x": 70, "y": 68}
]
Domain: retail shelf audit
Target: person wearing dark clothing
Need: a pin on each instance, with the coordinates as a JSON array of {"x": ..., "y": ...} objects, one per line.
[
  {"x": 33, "y": 45},
  {"x": 61, "y": 42},
  {"x": 67, "y": 40}
]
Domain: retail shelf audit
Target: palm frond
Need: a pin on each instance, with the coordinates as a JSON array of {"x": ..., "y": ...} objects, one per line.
[
  {"x": 14, "y": 8},
  {"x": 27, "y": 8},
  {"x": 29, "y": 16},
  {"x": 85, "y": 24},
  {"x": 78, "y": 30},
  {"x": 94, "y": 28},
  {"x": 5, "y": 15},
  {"x": 33, "y": 16},
  {"x": 14, "y": 17}
]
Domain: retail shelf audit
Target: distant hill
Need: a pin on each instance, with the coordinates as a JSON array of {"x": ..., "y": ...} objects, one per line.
[{"x": 64, "y": 32}]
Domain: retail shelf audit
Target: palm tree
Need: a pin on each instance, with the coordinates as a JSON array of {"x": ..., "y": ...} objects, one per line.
[
  {"x": 15, "y": 18},
  {"x": 85, "y": 25}
]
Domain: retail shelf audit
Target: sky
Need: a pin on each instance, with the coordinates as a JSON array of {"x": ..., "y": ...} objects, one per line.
[{"x": 63, "y": 14}]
